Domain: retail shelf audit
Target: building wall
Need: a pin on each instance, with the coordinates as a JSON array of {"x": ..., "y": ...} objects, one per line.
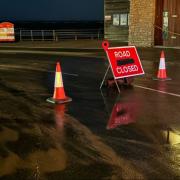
[
  {"x": 141, "y": 27},
  {"x": 115, "y": 32}
]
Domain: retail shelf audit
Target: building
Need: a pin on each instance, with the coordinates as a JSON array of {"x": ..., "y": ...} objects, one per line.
[
  {"x": 143, "y": 22},
  {"x": 116, "y": 22}
]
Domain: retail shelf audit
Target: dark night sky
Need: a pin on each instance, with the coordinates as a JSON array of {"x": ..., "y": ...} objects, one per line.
[{"x": 52, "y": 10}]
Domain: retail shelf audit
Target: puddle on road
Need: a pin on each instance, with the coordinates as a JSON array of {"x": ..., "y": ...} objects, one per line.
[
  {"x": 70, "y": 145},
  {"x": 7, "y": 134},
  {"x": 172, "y": 138},
  {"x": 37, "y": 163}
]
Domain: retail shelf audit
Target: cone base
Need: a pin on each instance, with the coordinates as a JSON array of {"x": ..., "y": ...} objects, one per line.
[
  {"x": 162, "y": 79},
  {"x": 59, "y": 101}
]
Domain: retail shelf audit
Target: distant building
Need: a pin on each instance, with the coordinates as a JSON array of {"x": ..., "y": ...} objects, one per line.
[{"x": 143, "y": 22}]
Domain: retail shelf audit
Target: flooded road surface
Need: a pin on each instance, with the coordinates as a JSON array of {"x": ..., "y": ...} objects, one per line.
[{"x": 100, "y": 134}]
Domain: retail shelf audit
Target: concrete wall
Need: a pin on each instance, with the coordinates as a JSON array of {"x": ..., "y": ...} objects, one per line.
[{"x": 141, "y": 27}]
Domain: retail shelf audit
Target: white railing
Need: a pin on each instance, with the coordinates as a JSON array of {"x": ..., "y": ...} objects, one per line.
[{"x": 56, "y": 35}]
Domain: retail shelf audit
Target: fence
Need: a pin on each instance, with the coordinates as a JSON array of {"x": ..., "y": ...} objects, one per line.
[{"x": 56, "y": 35}]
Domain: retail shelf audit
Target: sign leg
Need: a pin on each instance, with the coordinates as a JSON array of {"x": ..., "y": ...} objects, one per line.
[
  {"x": 104, "y": 77},
  {"x": 117, "y": 86},
  {"x": 106, "y": 105}
]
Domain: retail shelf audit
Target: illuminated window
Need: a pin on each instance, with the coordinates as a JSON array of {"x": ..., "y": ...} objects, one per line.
[
  {"x": 124, "y": 19},
  {"x": 116, "y": 19},
  {"x": 121, "y": 19}
]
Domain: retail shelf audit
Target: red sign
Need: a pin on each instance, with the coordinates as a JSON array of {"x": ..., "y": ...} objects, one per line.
[
  {"x": 124, "y": 61},
  {"x": 7, "y": 31}
]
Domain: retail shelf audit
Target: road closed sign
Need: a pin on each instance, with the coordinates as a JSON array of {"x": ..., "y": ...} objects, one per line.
[{"x": 124, "y": 61}]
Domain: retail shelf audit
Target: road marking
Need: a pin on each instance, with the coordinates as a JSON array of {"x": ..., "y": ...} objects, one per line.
[
  {"x": 6, "y": 67},
  {"x": 68, "y": 74},
  {"x": 155, "y": 90},
  {"x": 79, "y": 54}
]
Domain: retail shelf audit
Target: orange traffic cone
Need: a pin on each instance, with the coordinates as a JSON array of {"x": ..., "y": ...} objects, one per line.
[
  {"x": 161, "y": 75},
  {"x": 59, "y": 94}
]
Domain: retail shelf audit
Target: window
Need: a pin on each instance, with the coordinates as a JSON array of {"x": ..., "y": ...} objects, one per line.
[
  {"x": 121, "y": 19},
  {"x": 124, "y": 19},
  {"x": 116, "y": 19},
  {"x": 165, "y": 25}
]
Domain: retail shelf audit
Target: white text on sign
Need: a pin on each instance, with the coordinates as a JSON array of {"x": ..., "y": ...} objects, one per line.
[
  {"x": 126, "y": 69},
  {"x": 122, "y": 54}
]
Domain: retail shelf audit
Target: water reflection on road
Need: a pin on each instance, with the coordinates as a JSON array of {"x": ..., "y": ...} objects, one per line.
[
  {"x": 123, "y": 113},
  {"x": 150, "y": 136}
]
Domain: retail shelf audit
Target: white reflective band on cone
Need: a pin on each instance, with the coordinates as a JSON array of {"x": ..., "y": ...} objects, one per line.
[
  {"x": 58, "y": 80},
  {"x": 162, "y": 64}
]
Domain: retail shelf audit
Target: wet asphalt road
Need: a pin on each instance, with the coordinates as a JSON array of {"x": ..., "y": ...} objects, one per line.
[{"x": 100, "y": 134}]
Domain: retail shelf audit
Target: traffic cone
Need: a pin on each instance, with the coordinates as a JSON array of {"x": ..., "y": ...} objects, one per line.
[
  {"x": 59, "y": 94},
  {"x": 161, "y": 75}
]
